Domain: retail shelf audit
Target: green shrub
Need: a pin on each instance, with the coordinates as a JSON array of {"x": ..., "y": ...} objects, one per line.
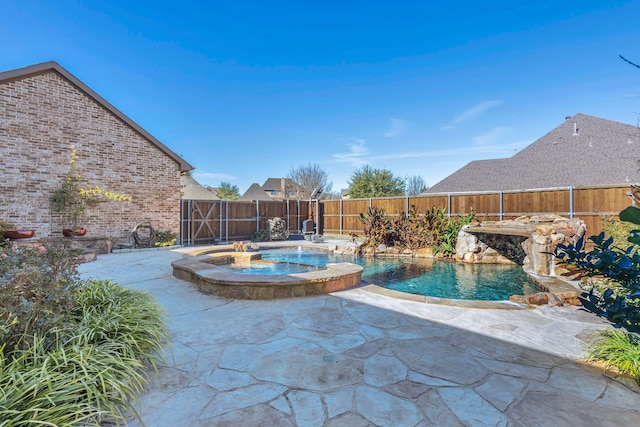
[
  {"x": 378, "y": 228},
  {"x": 85, "y": 364},
  {"x": 261, "y": 235},
  {"x": 614, "y": 263},
  {"x": 413, "y": 230},
  {"x": 105, "y": 311},
  {"x": 618, "y": 270},
  {"x": 35, "y": 292},
  {"x": 447, "y": 233},
  {"x": 165, "y": 238},
  {"x": 618, "y": 230},
  {"x": 73, "y": 382}
]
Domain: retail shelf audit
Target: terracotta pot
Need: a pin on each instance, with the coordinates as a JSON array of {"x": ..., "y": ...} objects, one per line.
[
  {"x": 19, "y": 234},
  {"x": 70, "y": 232}
]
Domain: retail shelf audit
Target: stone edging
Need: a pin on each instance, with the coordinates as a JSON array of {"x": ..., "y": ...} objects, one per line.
[
  {"x": 202, "y": 271},
  {"x": 464, "y": 303}
]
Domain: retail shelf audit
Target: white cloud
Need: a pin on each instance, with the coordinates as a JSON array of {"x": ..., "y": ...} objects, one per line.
[
  {"x": 482, "y": 147},
  {"x": 490, "y": 137},
  {"x": 472, "y": 112},
  {"x": 357, "y": 153},
  {"x": 209, "y": 177},
  {"x": 398, "y": 128},
  {"x": 496, "y": 150}
]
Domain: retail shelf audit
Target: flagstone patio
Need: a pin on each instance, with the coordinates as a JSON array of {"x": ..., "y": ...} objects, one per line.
[{"x": 365, "y": 358}]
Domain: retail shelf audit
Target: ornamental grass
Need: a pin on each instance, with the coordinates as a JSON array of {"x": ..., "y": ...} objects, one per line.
[
  {"x": 620, "y": 350},
  {"x": 89, "y": 366}
]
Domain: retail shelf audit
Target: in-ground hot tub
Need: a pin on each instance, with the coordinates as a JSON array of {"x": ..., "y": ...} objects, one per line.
[{"x": 231, "y": 275}]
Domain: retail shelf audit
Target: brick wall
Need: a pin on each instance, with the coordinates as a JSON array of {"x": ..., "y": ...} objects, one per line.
[{"x": 41, "y": 116}]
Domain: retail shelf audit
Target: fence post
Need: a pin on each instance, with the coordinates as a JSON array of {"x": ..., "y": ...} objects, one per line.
[
  {"x": 288, "y": 218},
  {"x": 257, "y": 215},
  {"x": 406, "y": 207},
  {"x": 571, "y": 202},
  {"x": 370, "y": 203},
  {"x": 226, "y": 231},
  {"x": 220, "y": 222},
  {"x": 501, "y": 207},
  {"x": 340, "y": 217},
  {"x": 189, "y": 236},
  {"x": 449, "y": 205},
  {"x": 183, "y": 220}
]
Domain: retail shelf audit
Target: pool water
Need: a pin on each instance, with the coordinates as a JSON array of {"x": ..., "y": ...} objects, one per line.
[
  {"x": 443, "y": 279},
  {"x": 269, "y": 267}
]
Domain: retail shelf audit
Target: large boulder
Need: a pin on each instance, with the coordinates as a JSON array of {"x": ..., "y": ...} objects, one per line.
[{"x": 540, "y": 246}]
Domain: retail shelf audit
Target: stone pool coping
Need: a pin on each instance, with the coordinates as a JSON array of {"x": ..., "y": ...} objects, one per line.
[
  {"x": 205, "y": 271},
  {"x": 464, "y": 303},
  {"x": 560, "y": 288}
]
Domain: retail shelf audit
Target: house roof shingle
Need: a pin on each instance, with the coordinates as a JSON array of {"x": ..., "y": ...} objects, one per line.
[
  {"x": 273, "y": 184},
  {"x": 45, "y": 67},
  {"x": 283, "y": 185},
  {"x": 272, "y": 189},
  {"x": 582, "y": 151},
  {"x": 193, "y": 190},
  {"x": 254, "y": 192}
]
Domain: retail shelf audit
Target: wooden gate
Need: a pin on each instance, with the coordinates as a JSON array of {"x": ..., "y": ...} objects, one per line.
[
  {"x": 211, "y": 221},
  {"x": 200, "y": 221}
]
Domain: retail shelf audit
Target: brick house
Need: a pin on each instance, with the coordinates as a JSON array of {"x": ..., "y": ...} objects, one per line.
[{"x": 44, "y": 110}]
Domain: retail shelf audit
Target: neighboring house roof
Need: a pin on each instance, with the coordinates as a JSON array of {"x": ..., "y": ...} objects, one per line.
[
  {"x": 274, "y": 184},
  {"x": 582, "y": 151},
  {"x": 273, "y": 189},
  {"x": 254, "y": 192},
  {"x": 282, "y": 188},
  {"x": 193, "y": 190},
  {"x": 54, "y": 66}
]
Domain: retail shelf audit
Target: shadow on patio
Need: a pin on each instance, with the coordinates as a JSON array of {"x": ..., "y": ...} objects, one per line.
[{"x": 356, "y": 358}]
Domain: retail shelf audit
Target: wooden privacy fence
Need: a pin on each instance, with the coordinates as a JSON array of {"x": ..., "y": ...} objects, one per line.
[
  {"x": 210, "y": 221},
  {"x": 590, "y": 204}
]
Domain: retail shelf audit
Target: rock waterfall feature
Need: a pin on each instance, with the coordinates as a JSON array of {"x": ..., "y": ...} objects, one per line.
[{"x": 530, "y": 242}]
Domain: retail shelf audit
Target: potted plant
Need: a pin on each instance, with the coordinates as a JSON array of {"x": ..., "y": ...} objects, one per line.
[
  {"x": 71, "y": 200},
  {"x": 10, "y": 231},
  {"x": 76, "y": 231}
]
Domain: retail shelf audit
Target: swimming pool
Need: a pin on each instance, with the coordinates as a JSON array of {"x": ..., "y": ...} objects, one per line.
[
  {"x": 443, "y": 279},
  {"x": 269, "y": 267}
]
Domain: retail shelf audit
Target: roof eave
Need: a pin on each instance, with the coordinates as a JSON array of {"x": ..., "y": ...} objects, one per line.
[{"x": 54, "y": 66}]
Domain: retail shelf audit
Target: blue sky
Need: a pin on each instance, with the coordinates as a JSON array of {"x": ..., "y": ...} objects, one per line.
[{"x": 246, "y": 90}]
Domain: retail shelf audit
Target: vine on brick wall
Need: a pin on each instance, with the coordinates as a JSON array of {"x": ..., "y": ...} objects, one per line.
[{"x": 71, "y": 200}]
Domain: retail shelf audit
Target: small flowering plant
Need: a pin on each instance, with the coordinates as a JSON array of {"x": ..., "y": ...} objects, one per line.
[{"x": 72, "y": 200}]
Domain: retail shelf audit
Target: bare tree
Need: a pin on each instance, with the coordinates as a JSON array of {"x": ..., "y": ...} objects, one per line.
[
  {"x": 311, "y": 177},
  {"x": 415, "y": 185}
]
